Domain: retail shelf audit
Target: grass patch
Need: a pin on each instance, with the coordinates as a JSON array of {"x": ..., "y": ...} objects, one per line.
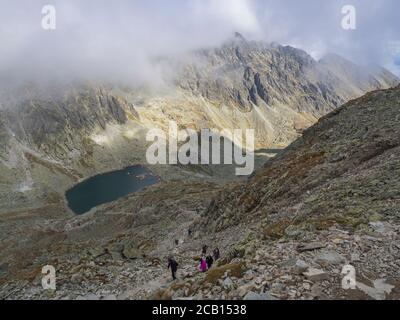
[
  {"x": 236, "y": 270},
  {"x": 276, "y": 230}
]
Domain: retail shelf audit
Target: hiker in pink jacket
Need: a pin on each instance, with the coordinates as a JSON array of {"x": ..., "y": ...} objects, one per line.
[{"x": 203, "y": 265}]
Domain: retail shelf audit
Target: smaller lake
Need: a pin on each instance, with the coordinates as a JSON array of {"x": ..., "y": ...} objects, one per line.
[{"x": 108, "y": 187}]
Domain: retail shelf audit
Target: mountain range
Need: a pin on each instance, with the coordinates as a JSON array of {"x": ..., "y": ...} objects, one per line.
[
  {"x": 50, "y": 139},
  {"x": 329, "y": 197}
]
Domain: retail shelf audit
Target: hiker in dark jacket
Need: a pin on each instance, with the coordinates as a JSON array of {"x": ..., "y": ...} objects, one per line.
[
  {"x": 216, "y": 254},
  {"x": 174, "y": 267},
  {"x": 209, "y": 261},
  {"x": 204, "y": 250}
]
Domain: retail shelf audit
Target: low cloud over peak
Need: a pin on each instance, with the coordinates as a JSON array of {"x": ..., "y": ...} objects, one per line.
[{"x": 119, "y": 41}]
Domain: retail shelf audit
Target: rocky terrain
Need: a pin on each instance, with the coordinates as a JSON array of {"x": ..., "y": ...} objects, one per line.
[
  {"x": 50, "y": 141},
  {"x": 330, "y": 199}
]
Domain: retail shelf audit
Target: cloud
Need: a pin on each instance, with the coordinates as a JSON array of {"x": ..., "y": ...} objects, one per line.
[
  {"x": 118, "y": 41},
  {"x": 316, "y": 27}
]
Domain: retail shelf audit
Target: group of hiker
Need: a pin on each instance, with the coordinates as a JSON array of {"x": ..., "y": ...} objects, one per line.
[{"x": 206, "y": 261}]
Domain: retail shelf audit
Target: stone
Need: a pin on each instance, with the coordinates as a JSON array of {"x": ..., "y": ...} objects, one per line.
[
  {"x": 97, "y": 252},
  {"x": 337, "y": 241},
  {"x": 228, "y": 283},
  {"x": 252, "y": 296},
  {"x": 249, "y": 275},
  {"x": 316, "y": 275},
  {"x": 277, "y": 287},
  {"x": 380, "y": 227},
  {"x": 243, "y": 290},
  {"x": 378, "y": 291},
  {"x": 116, "y": 255},
  {"x": 306, "y": 286},
  {"x": 310, "y": 246},
  {"x": 316, "y": 291},
  {"x": 355, "y": 257},
  {"x": 329, "y": 258},
  {"x": 300, "y": 267}
]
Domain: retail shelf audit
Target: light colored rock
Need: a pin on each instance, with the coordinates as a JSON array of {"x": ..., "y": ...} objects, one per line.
[
  {"x": 379, "y": 291},
  {"x": 300, "y": 267},
  {"x": 311, "y": 246},
  {"x": 306, "y": 286},
  {"x": 355, "y": 257},
  {"x": 316, "y": 291},
  {"x": 316, "y": 275},
  {"x": 329, "y": 258},
  {"x": 228, "y": 283}
]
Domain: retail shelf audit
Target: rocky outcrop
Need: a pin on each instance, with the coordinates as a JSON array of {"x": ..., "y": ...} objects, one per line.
[{"x": 244, "y": 74}]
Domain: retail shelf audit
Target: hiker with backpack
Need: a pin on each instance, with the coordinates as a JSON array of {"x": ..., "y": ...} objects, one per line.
[
  {"x": 216, "y": 254},
  {"x": 209, "y": 261},
  {"x": 174, "y": 267}
]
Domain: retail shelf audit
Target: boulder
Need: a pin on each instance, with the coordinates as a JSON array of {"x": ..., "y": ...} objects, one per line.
[
  {"x": 300, "y": 267},
  {"x": 329, "y": 257},
  {"x": 310, "y": 246},
  {"x": 228, "y": 284},
  {"x": 316, "y": 274}
]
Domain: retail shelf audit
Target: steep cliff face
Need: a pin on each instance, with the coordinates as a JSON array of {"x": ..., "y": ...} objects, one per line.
[
  {"x": 276, "y": 90},
  {"x": 342, "y": 170},
  {"x": 248, "y": 74},
  {"x": 48, "y": 142},
  {"x": 56, "y": 125}
]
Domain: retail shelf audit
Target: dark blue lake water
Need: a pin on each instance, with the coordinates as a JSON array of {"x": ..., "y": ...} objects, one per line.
[{"x": 108, "y": 187}]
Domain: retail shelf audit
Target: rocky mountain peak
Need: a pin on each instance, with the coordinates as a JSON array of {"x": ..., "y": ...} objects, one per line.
[{"x": 238, "y": 36}]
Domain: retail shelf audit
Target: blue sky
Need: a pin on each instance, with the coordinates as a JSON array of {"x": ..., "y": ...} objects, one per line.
[{"x": 119, "y": 38}]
